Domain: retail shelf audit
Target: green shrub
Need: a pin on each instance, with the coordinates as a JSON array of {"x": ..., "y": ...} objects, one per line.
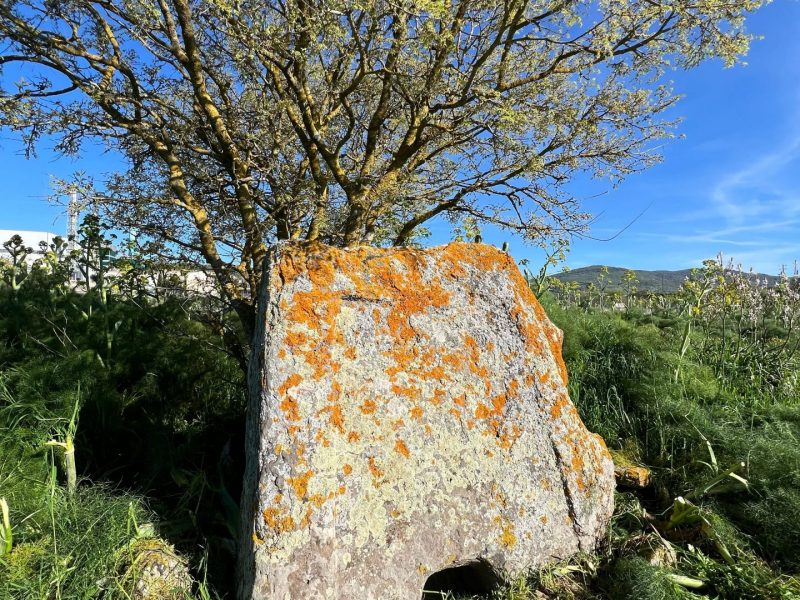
[
  {"x": 689, "y": 430},
  {"x": 633, "y": 578}
]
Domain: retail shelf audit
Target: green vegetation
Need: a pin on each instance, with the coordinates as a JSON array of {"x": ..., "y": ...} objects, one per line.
[
  {"x": 701, "y": 387},
  {"x": 121, "y": 417},
  {"x": 663, "y": 282}
]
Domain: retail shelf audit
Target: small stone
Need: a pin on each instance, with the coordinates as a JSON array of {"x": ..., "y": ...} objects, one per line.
[
  {"x": 151, "y": 570},
  {"x": 628, "y": 474},
  {"x": 409, "y": 423}
]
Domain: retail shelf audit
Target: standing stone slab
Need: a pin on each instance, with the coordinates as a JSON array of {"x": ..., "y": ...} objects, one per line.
[{"x": 409, "y": 413}]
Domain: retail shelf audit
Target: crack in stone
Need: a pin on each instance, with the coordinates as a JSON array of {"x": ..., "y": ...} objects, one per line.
[
  {"x": 576, "y": 527},
  {"x": 357, "y": 298}
]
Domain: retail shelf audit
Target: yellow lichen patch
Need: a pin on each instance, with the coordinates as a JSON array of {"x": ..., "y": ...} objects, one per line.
[
  {"x": 317, "y": 500},
  {"x": 507, "y": 536},
  {"x": 347, "y": 469},
  {"x": 368, "y": 406},
  {"x": 416, "y": 412}
]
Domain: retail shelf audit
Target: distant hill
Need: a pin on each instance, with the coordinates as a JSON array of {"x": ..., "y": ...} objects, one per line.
[{"x": 656, "y": 281}]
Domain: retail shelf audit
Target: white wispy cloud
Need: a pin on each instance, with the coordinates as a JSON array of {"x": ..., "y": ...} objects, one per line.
[
  {"x": 754, "y": 213},
  {"x": 759, "y": 190}
]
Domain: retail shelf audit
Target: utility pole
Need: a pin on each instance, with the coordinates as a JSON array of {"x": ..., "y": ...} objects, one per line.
[{"x": 72, "y": 220}]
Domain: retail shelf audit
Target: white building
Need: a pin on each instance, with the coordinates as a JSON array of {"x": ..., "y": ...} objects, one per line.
[{"x": 30, "y": 239}]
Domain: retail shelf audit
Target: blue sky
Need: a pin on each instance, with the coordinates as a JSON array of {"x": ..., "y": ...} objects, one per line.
[{"x": 731, "y": 185}]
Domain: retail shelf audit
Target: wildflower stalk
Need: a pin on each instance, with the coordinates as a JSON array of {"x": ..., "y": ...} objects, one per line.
[
  {"x": 6, "y": 533},
  {"x": 68, "y": 446}
]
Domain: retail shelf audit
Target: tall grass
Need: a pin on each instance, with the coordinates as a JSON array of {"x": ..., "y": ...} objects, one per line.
[
  {"x": 117, "y": 392},
  {"x": 64, "y": 545}
]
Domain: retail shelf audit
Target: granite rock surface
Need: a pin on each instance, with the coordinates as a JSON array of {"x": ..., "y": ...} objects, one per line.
[{"x": 409, "y": 414}]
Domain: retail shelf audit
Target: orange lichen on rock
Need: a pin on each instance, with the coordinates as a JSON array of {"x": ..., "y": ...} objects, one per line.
[
  {"x": 438, "y": 396},
  {"x": 506, "y": 439},
  {"x": 474, "y": 358},
  {"x": 292, "y": 381},
  {"x": 305, "y": 522},
  {"x": 368, "y": 406},
  {"x": 336, "y": 419},
  {"x": 498, "y": 404},
  {"x": 507, "y": 536},
  {"x": 401, "y": 448},
  {"x": 295, "y": 339},
  {"x": 559, "y": 404},
  {"x": 290, "y": 408},
  {"x": 322, "y": 439},
  {"x": 382, "y": 347},
  {"x": 482, "y": 411},
  {"x": 373, "y": 468},
  {"x": 408, "y": 392},
  {"x": 277, "y": 520},
  {"x": 299, "y": 483}
]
